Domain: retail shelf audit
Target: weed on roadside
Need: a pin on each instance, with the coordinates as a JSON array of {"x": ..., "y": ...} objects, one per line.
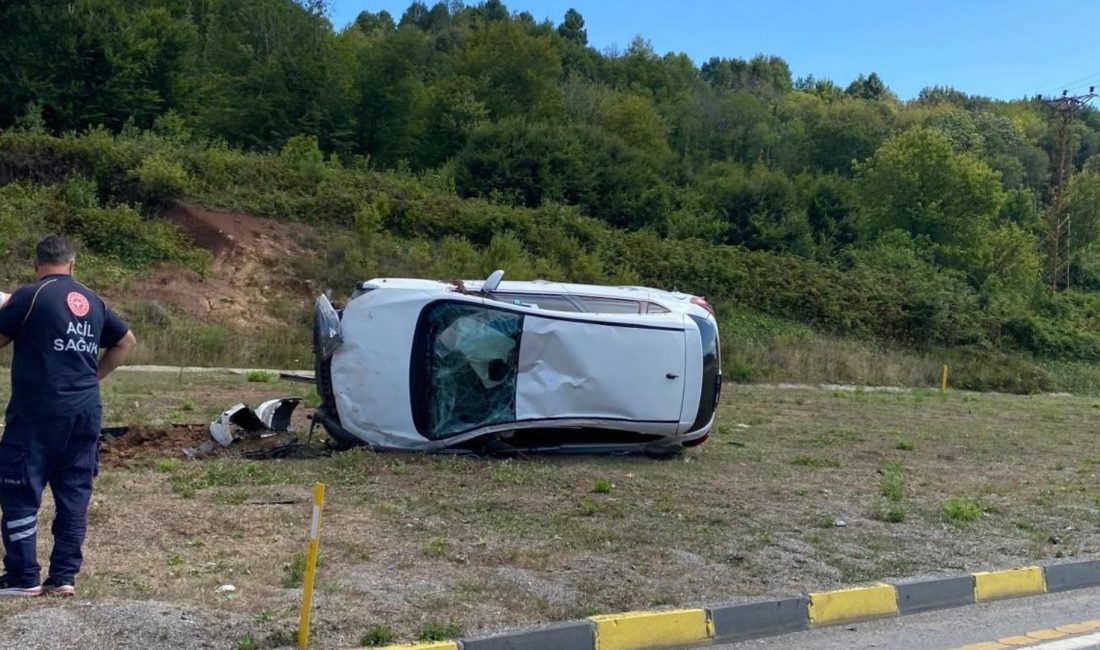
[
  {"x": 294, "y": 572},
  {"x": 247, "y": 642},
  {"x": 957, "y": 510},
  {"x": 894, "y": 514},
  {"x": 892, "y": 482},
  {"x": 228, "y": 473},
  {"x": 587, "y": 507},
  {"x": 603, "y": 487},
  {"x": 433, "y": 631},
  {"x": 816, "y": 463},
  {"x": 261, "y": 377},
  {"x": 508, "y": 471},
  {"x": 168, "y": 465},
  {"x": 904, "y": 445},
  {"x": 280, "y": 638},
  {"x": 436, "y": 547},
  {"x": 235, "y": 498},
  {"x": 377, "y": 635}
]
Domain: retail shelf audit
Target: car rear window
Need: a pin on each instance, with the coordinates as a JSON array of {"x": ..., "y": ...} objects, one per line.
[
  {"x": 610, "y": 305},
  {"x": 464, "y": 368},
  {"x": 542, "y": 301}
]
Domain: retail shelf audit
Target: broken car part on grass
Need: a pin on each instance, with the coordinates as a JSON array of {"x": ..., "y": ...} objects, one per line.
[{"x": 266, "y": 420}]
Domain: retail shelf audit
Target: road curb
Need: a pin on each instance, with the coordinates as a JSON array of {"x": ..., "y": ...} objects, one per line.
[
  {"x": 997, "y": 585},
  {"x": 853, "y": 604},
  {"x": 738, "y": 621},
  {"x": 923, "y": 594}
]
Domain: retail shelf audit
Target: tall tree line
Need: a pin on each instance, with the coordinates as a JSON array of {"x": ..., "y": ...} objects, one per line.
[{"x": 527, "y": 113}]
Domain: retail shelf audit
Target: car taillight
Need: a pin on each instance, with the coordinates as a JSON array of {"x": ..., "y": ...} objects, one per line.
[{"x": 702, "y": 302}]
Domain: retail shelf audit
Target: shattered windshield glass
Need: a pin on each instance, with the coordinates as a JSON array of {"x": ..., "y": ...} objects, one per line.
[{"x": 472, "y": 360}]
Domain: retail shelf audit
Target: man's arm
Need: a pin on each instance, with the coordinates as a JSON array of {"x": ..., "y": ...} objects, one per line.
[
  {"x": 115, "y": 355},
  {"x": 4, "y": 341}
]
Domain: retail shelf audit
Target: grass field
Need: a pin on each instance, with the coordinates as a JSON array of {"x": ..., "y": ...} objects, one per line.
[{"x": 421, "y": 547}]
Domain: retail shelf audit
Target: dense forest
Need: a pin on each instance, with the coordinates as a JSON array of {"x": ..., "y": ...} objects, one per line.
[{"x": 452, "y": 138}]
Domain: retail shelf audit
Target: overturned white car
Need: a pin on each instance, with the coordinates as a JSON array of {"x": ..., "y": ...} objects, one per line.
[{"x": 502, "y": 366}]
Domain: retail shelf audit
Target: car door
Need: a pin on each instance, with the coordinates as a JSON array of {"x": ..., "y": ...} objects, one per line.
[{"x": 602, "y": 367}]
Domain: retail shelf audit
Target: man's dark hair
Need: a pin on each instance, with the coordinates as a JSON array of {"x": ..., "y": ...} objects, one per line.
[{"x": 54, "y": 250}]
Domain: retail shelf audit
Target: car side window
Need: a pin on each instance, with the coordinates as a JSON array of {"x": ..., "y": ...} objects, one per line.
[
  {"x": 610, "y": 305},
  {"x": 654, "y": 308},
  {"x": 555, "y": 303},
  {"x": 471, "y": 367}
]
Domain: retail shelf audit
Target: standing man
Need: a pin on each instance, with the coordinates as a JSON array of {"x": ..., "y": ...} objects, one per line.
[{"x": 52, "y": 427}]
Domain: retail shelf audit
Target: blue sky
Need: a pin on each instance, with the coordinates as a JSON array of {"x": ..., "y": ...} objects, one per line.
[{"x": 1006, "y": 49}]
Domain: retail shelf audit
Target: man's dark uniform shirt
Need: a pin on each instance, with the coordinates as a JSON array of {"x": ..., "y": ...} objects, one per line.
[{"x": 59, "y": 327}]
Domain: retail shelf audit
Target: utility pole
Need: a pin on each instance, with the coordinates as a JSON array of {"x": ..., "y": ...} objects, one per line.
[{"x": 1058, "y": 224}]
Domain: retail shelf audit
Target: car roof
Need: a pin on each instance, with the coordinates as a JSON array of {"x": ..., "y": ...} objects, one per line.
[
  {"x": 533, "y": 286},
  {"x": 676, "y": 301}
]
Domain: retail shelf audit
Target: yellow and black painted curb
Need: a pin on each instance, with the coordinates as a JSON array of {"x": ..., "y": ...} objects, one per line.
[{"x": 732, "y": 622}]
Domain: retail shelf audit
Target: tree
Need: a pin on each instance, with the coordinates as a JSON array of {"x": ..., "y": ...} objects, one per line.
[
  {"x": 391, "y": 97},
  {"x": 918, "y": 184},
  {"x": 1083, "y": 199},
  {"x": 758, "y": 206},
  {"x": 371, "y": 23},
  {"x": 572, "y": 28},
  {"x": 93, "y": 62},
  {"x": 870, "y": 87},
  {"x": 516, "y": 72},
  {"x": 769, "y": 75},
  {"x": 519, "y": 163}
]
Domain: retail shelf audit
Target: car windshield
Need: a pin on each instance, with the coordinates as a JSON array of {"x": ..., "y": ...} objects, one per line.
[{"x": 469, "y": 361}]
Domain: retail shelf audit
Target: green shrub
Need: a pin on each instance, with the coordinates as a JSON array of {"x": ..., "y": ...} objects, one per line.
[
  {"x": 261, "y": 377},
  {"x": 160, "y": 180},
  {"x": 892, "y": 484},
  {"x": 739, "y": 370},
  {"x": 959, "y": 510},
  {"x": 433, "y": 631},
  {"x": 302, "y": 156},
  {"x": 894, "y": 514},
  {"x": 377, "y": 635}
]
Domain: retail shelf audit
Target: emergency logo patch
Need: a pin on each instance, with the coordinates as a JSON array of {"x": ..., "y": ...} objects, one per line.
[{"x": 78, "y": 304}]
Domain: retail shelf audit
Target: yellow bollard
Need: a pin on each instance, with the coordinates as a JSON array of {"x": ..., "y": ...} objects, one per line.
[
  {"x": 311, "y": 566},
  {"x": 943, "y": 379}
]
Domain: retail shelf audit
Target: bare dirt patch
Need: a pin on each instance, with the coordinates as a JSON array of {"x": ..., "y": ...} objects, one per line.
[
  {"x": 143, "y": 445},
  {"x": 250, "y": 271}
]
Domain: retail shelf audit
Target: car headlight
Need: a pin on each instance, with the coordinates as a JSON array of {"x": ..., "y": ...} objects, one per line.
[{"x": 327, "y": 322}]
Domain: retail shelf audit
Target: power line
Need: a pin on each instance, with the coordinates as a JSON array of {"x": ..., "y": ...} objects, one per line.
[{"x": 1070, "y": 84}]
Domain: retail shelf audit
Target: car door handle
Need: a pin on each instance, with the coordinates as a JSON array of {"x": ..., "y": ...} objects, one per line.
[{"x": 672, "y": 375}]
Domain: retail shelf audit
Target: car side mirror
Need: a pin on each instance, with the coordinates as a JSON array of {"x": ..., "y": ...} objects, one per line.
[{"x": 492, "y": 282}]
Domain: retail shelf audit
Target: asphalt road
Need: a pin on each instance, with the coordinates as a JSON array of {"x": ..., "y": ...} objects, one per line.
[{"x": 954, "y": 628}]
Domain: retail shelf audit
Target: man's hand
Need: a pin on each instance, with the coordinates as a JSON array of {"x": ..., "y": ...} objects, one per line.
[
  {"x": 114, "y": 357},
  {"x": 4, "y": 341}
]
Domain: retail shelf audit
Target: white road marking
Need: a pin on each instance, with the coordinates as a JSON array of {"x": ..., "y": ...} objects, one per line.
[{"x": 1077, "y": 643}]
